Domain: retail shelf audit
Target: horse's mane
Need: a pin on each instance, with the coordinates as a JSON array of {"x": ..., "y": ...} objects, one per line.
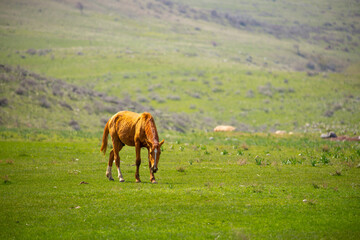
[{"x": 150, "y": 129}]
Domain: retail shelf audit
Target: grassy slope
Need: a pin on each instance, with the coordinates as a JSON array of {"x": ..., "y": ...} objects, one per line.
[
  {"x": 128, "y": 50},
  {"x": 207, "y": 189}
]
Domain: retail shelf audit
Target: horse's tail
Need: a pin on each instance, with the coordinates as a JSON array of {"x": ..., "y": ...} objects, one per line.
[{"x": 105, "y": 138}]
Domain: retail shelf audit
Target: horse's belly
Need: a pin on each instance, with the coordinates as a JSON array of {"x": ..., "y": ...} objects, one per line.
[
  {"x": 126, "y": 138},
  {"x": 127, "y": 142}
]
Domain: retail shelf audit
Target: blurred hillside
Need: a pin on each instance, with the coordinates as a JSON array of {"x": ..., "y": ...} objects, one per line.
[{"x": 261, "y": 65}]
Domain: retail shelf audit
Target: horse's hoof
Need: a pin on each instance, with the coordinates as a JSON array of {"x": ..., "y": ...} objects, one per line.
[
  {"x": 154, "y": 182},
  {"x": 121, "y": 180},
  {"x": 138, "y": 181},
  {"x": 111, "y": 179}
]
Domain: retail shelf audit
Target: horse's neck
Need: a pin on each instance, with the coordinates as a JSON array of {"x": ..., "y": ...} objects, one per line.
[{"x": 151, "y": 133}]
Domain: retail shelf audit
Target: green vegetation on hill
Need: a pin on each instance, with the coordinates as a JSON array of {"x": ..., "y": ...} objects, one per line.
[{"x": 193, "y": 64}]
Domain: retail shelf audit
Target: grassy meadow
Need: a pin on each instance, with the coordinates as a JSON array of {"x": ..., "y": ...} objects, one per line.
[
  {"x": 211, "y": 186},
  {"x": 67, "y": 66}
]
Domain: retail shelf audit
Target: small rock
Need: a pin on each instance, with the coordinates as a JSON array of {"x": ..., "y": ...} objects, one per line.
[{"x": 329, "y": 135}]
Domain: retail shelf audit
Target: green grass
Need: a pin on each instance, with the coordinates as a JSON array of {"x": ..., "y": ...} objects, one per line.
[{"x": 201, "y": 193}]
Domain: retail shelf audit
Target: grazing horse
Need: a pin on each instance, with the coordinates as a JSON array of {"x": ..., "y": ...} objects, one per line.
[{"x": 132, "y": 129}]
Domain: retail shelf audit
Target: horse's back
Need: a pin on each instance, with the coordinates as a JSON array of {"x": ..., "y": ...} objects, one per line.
[{"x": 124, "y": 125}]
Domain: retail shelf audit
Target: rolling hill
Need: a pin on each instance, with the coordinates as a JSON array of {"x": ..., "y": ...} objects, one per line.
[{"x": 259, "y": 66}]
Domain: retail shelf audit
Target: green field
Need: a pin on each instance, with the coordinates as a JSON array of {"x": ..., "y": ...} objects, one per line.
[
  {"x": 280, "y": 187},
  {"x": 261, "y": 66}
]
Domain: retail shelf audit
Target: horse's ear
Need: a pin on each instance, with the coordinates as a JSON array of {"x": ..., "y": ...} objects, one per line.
[{"x": 162, "y": 142}]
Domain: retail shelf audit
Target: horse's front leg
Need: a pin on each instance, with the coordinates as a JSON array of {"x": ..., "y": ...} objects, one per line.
[
  {"x": 138, "y": 161},
  {"x": 152, "y": 177}
]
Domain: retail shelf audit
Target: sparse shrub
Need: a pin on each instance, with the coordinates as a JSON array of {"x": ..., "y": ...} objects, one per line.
[
  {"x": 142, "y": 99},
  {"x": 291, "y": 90},
  {"x": 173, "y": 97},
  {"x": 43, "y": 52},
  {"x": 4, "y": 102},
  {"x": 266, "y": 90},
  {"x": 44, "y": 102},
  {"x": 57, "y": 91},
  {"x": 250, "y": 94},
  {"x": 157, "y": 98},
  {"x": 75, "y": 125},
  {"x": 65, "y": 105},
  {"x": 31, "y": 51},
  {"x": 80, "y": 6},
  {"x": 219, "y": 83},
  {"x": 217, "y": 90},
  {"x": 195, "y": 95},
  {"x": 329, "y": 113},
  {"x": 310, "y": 66}
]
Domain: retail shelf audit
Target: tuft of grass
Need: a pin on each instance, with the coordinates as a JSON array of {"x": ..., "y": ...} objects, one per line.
[
  {"x": 324, "y": 159},
  {"x": 224, "y": 152},
  {"x": 336, "y": 173},
  {"x": 6, "y": 179},
  {"x": 258, "y": 160},
  {"x": 180, "y": 169},
  {"x": 10, "y": 161},
  {"x": 313, "y": 162},
  {"x": 245, "y": 146},
  {"x": 325, "y": 148},
  {"x": 309, "y": 201},
  {"x": 242, "y": 162}
]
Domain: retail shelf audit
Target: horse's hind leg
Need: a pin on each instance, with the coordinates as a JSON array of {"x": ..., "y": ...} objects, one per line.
[
  {"x": 118, "y": 145},
  {"x": 117, "y": 162},
  {"x": 108, "y": 170}
]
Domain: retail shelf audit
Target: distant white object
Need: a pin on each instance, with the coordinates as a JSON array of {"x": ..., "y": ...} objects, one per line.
[
  {"x": 329, "y": 135},
  {"x": 223, "y": 128},
  {"x": 280, "y": 132}
]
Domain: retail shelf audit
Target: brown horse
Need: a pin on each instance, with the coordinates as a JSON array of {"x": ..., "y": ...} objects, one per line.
[{"x": 132, "y": 129}]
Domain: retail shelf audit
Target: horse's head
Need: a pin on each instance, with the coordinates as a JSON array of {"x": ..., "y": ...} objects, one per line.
[{"x": 154, "y": 156}]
